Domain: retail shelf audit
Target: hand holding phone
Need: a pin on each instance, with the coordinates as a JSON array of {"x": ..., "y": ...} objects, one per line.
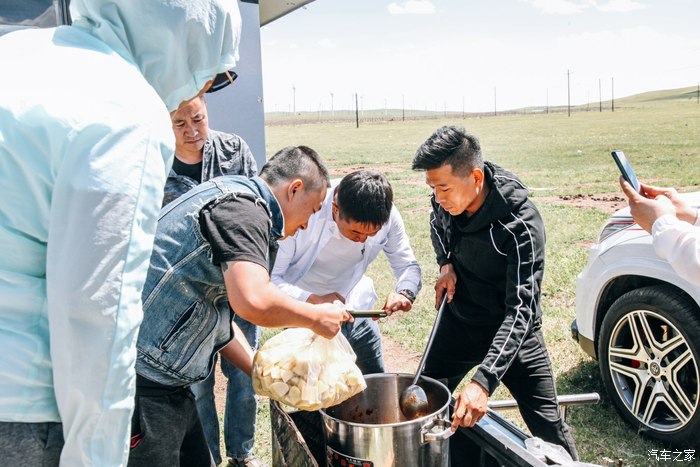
[{"x": 626, "y": 169}]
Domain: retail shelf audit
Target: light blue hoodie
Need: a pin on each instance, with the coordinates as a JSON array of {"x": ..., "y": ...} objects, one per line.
[{"x": 85, "y": 147}]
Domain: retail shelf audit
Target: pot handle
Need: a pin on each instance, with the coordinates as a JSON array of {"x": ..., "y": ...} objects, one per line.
[{"x": 435, "y": 430}]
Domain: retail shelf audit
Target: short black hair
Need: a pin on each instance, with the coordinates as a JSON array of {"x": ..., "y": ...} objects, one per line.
[
  {"x": 296, "y": 162},
  {"x": 366, "y": 197},
  {"x": 450, "y": 145}
]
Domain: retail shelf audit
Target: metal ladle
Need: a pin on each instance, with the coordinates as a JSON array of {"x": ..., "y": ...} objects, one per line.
[{"x": 413, "y": 401}]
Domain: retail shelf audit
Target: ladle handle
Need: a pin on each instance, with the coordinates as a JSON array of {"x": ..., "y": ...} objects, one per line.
[{"x": 421, "y": 364}]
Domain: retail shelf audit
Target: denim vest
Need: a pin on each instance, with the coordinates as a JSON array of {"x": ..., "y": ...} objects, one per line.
[{"x": 186, "y": 313}]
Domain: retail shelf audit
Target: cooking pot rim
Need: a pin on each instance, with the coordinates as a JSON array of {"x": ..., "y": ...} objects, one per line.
[{"x": 428, "y": 417}]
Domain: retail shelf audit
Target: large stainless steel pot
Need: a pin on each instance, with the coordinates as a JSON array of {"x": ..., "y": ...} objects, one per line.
[{"x": 370, "y": 430}]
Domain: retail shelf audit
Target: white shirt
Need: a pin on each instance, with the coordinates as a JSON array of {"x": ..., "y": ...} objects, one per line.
[
  {"x": 678, "y": 242},
  {"x": 312, "y": 251},
  {"x": 333, "y": 268}
]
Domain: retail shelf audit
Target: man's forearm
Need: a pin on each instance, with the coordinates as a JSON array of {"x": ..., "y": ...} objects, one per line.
[
  {"x": 253, "y": 297},
  {"x": 238, "y": 351},
  {"x": 272, "y": 308}
]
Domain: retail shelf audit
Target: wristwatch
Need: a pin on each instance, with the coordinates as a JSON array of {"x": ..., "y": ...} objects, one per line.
[{"x": 408, "y": 294}]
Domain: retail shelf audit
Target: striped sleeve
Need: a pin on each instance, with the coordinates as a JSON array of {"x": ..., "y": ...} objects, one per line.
[{"x": 525, "y": 261}]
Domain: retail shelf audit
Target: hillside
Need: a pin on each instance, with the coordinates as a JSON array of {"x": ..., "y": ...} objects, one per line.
[
  {"x": 689, "y": 93},
  {"x": 686, "y": 93}
]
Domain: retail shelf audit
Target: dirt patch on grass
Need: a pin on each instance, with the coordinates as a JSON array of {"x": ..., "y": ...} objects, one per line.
[
  {"x": 385, "y": 169},
  {"x": 397, "y": 358},
  {"x": 604, "y": 202},
  {"x": 607, "y": 202}
]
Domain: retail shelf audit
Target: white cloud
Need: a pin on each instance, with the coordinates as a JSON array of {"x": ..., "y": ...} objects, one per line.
[
  {"x": 411, "y": 7},
  {"x": 621, "y": 6},
  {"x": 326, "y": 44},
  {"x": 572, "y": 7},
  {"x": 559, "y": 7}
]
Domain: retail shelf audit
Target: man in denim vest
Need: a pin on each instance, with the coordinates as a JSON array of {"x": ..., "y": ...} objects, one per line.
[{"x": 213, "y": 251}]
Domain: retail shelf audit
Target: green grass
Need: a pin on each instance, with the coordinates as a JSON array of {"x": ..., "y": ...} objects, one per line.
[{"x": 555, "y": 155}]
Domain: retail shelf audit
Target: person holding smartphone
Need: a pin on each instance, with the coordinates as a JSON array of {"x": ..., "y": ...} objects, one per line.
[{"x": 672, "y": 223}]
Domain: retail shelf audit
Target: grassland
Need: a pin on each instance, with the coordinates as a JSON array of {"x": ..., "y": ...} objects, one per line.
[{"x": 559, "y": 157}]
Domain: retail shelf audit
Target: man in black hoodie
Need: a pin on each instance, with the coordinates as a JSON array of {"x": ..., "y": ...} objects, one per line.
[{"x": 489, "y": 241}]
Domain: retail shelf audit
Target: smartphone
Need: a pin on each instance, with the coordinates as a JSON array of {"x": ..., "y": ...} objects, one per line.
[{"x": 626, "y": 169}]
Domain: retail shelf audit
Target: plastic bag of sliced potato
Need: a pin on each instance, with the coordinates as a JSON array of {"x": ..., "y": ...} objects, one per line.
[{"x": 304, "y": 370}]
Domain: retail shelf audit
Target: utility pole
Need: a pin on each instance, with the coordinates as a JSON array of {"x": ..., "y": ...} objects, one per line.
[
  {"x": 612, "y": 92},
  {"x": 494, "y": 102},
  {"x": 600, "y": 97},
  {"x": 403, "y": 108},
  {"x": 332, "y": 111},
  {"x": 568, "y": 93},
  {"x": 294, "y": 100},
  {"x": 357, "y": 114}
]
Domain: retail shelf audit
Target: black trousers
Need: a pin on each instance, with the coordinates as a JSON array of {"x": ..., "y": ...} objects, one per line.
[
  {"x": 458, "y": 347},
  {"x": 165, "y": 429}
]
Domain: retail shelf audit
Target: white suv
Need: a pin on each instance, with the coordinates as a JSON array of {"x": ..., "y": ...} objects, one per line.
[{"x": 641, "y": 321}]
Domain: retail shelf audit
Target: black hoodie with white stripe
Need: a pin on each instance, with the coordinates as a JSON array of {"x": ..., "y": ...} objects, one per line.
[{"x": 498, "y": 256}]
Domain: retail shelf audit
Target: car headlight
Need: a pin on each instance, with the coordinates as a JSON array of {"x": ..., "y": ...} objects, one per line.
[{"x": 614, "y": 225}]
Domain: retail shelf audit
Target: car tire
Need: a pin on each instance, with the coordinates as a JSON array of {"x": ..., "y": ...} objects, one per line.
[{"x": 654, "y": 382}]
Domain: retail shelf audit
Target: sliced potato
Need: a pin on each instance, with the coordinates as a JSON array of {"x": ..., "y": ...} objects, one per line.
[
  {"x": 279, "y": 388},
  {"x": 294, "y": 396},
  {"x": 300, "y": 369}
]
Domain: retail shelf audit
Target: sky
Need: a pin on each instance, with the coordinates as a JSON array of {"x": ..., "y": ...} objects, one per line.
[{"x": 476, "y": 55}]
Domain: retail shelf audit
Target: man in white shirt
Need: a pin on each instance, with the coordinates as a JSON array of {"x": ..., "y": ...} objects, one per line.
[{"x": 328, "y": 260}]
